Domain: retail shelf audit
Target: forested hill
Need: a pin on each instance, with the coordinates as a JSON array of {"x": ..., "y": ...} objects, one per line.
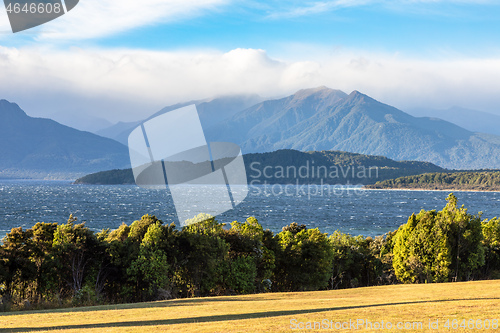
[
  {"x": 291, "y": 167},
  {"x": 467, "y": 180}
]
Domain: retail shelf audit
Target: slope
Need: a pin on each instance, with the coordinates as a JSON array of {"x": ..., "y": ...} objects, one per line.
[
  {"x": 326, "y": 119},
  {"x": 31, "y": 145}
]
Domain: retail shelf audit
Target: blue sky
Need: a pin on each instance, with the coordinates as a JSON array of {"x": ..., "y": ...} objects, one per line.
[
  {"x": 424, "y": 29},
  {"x": 124, "y": 59}
]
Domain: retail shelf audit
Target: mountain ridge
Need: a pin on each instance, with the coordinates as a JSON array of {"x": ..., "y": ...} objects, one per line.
[
  {"x": 210, "y": 110},
  {"x": 472, "y": 120},
  {"x": 355, "y": 123},
  {"x": 43, "y": 146},
  {"x": 315, "y": 119}
]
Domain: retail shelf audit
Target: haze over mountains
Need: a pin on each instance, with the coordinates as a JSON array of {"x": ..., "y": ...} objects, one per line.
[
  {"x": 80, "y": 121},
  {"x": 211, "y": 112},
  {"x": 37, "y": 147},
  {"x": 326, "y": 119},
  {"x": 309, "y": 120},
  {"x": 473, "y": 120}
]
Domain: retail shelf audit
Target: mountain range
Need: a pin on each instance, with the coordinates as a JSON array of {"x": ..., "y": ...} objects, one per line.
[
  {"x": 319, "y": 119},
  {"x": 80, "y": 121},
  {"x": 327, "y": 119},
  {"x": 211, "y": 112},
  {"x": 43, "y": 148},
  {"x": 473, "y": 120}
]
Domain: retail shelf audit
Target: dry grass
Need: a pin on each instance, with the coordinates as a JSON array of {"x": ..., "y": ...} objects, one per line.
[{"x": 274, "y": 312}]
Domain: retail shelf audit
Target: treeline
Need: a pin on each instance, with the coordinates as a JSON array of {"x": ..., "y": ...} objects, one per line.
[
  {"x": 468, "y": 180},
  {"x": 341, "y": 168},
  {"x": 53, "y": 265}
]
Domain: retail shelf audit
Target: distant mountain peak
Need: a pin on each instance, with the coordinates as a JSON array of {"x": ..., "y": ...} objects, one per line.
[
  {"x": 6, "y": 106},
  {"x": 311, "y": 96},
  {"x": 42, "y": 147},
  {"x": 322, "y": 89},
  {"x": 313, "y": 90},
  {"x": 240, "y": 96},
  {"x": 325, "y": 119},
  {"x": 359, "y": 95},
  {"x": 356, "y": 97},
  {"x": 9, "y": 111}
]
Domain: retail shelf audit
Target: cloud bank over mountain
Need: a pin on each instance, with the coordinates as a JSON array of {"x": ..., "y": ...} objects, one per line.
[
  {"x": 121, "y": 60},
  {"x": 125, "y": 84}
]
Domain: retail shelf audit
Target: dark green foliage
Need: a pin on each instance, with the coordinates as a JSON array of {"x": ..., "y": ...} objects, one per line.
[
  {"x": 202, "y": 256},
  {"x": 465, "y": 180},
  {"x": 355, "y": 261},
  {"x": 43, "y": 238},
  {"x": 465, "y": 239},
  {"x": 18, "y": 271},
  {"x": 303, "y": 260},
  {"x": 421, "y": 250},
  {"x": 78, "y": 254},
  {"x": 241, "y": 274},
  {"x": 491, "y": 242},
  {"x": 111, "y": 177},
  {"x": 68, "y": 264},
  {"x": 439, "y": 246},
  {"x": 150, "y": 268},
  {"x": 327, "y": 167},
  {"x": 251, "y": 262}
]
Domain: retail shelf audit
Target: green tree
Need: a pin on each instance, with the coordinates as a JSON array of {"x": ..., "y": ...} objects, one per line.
[
  {"x": 439, "y": 246},
  {"x": 76, "y": 249},
  {"x": 491, "y": 242},
  {"x": 18, "y": 271},
  {"x": 250, "y": 262},
  {"x": 203, "y": 255},
  {"x": 421, "y": 249},
  {"x": 139, "y": 228},
  {"x": 465, "y": 238},
  {"x": 354, "y": 264},
  {"x": 42, "y": 256},
  {"x": 128, "y": 252},
  {"x": 150, "y": 269},
  {"x": 304, "y": 259}
]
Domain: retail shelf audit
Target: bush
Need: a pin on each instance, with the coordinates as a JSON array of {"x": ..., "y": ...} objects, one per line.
[
  {"x": 53, "y": 265},
  {"x": 439, "y": 246}
]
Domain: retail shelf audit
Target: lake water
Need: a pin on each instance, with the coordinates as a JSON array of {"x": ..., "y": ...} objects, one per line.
[{"x": 350, "y": 210}]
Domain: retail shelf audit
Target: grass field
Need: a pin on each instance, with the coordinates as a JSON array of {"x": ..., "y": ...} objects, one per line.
[{"x": 405, "y": 305}]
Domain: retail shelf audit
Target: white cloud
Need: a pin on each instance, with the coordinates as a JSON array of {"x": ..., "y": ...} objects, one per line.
[
  {"x": 126, "y": 84},
  {"x": 311, "y": 8},
  {"x": 4, "y": 21},
  {"x": 97, "y": 18}
]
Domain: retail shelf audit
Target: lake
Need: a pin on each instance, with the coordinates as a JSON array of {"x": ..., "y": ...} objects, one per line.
[{"x": 348, "y": 209}]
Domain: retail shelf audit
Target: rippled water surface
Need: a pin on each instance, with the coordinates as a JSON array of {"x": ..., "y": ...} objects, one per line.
[{"x": 354, "y": 211}]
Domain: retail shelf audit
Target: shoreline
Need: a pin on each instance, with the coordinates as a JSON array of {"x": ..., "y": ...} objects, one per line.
[
  {"x": 427, "y": 190},
  {"x": 344, "y": 186},
  {"x": 34, "y": 180}
]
